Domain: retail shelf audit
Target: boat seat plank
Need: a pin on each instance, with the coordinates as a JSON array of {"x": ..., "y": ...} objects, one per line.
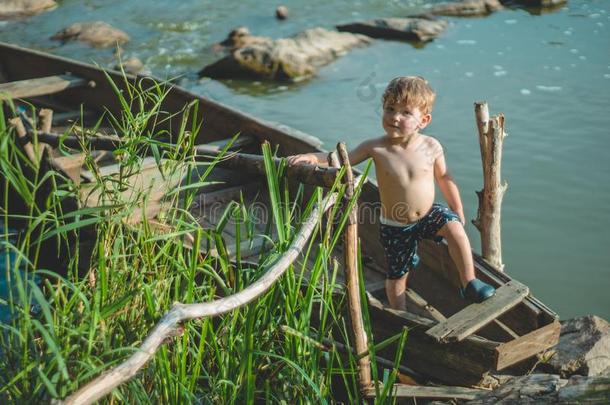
[
  {"x": 419, "y": 306},
  {"x": 432, "y": 392},
  {"x": 528, "y": 345},
  {"x": 475, "y": 316},
  {"x": 39, "y": 86}
]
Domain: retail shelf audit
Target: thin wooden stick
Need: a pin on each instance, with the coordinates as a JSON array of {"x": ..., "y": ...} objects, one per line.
[
  {"x": 488, "y": 221},
  {"x": 169, "y": 324},
  {"x": 351, "y": 275}
]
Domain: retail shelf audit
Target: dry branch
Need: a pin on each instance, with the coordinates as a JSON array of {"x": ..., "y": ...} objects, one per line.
[
  {"x": 169, "y": 324},
  {"x": 351, "y": 275},
  {"x": 488, "y": 221}
]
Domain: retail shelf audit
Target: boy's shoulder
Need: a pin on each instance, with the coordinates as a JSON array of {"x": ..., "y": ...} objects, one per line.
[
  {"x": 431, "y": 142},
  {"x": 430, "y": 139},
  {"x": 373, "y": 143}
]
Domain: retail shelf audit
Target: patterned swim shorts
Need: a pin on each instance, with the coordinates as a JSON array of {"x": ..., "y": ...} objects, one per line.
[{"x": 400, "y": 242}]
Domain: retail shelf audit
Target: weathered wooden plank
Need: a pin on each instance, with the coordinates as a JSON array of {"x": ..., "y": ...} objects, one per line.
[
  {"x": 417, "y": 305},
  {"x": 475, "y": 316},
  {"x": 523, "y": 319},
  {"x": 39, "y": 86},
  {"x": 527, "y": 345},
  {"x": 461, "y": 363},
  {"x": 71, "y": 165},
  {"x": 432, "y": 392}
]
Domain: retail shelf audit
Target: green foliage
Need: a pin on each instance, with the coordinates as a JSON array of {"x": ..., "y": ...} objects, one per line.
[{"x": 120, "y": 279}]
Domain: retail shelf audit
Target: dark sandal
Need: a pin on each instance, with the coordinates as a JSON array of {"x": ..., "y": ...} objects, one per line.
[{"x": 477, "y": 291}]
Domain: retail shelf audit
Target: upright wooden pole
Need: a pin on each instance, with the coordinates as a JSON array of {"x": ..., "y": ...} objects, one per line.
[
  {"x": 491, "y": 136},
  {"x": 351, "y": 276}
]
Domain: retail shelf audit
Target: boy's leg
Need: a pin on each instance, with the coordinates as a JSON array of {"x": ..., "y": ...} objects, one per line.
[
  {"x": 459, "y": 250},
  {"x": 395, "y": 291}
]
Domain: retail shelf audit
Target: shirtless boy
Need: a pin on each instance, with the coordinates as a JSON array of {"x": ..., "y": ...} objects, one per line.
[{"x": 407, "y": 164}]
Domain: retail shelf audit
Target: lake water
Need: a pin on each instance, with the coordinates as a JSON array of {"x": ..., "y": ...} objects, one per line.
[{"x": 549, "y": 73}]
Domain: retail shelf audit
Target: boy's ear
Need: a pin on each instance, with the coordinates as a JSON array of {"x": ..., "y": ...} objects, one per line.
[{"x": 425, "y": 120}]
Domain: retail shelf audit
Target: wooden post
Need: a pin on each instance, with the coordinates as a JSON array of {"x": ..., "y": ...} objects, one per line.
[
  {"x": 46, "y": 119},
  {"x": 351, "y": 275},
  {"x": 28, "y": 147},
  {"x": 491, "y": 136}
]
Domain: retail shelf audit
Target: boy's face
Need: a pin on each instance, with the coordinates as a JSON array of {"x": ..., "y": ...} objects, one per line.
[{"x": 400, "y": 120}]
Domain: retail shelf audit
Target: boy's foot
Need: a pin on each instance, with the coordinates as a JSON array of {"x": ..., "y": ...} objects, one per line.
[{"x": 477, "y": 291}]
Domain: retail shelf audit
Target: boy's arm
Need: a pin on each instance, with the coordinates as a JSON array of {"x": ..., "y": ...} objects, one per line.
[
  {"x": 308, "y": 158},
  {"x": 447, "y": 184},
  {"x": 356, "y": 156}
]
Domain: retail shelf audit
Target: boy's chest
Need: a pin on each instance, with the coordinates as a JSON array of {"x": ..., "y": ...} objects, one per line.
[{"x": 405, "y": 165}]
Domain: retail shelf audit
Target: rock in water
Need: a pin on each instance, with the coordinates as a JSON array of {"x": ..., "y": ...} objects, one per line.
[
  {"x": 131, "y": 65},
  {"x": 410, "y": 29},
  {"x": 98, "y": 34},
  {"x": 23, "y": 8},
  {"x": 281, "y": 13},
  {"x": 283, "y": 59},
  {"x": 466, "y": 8}
]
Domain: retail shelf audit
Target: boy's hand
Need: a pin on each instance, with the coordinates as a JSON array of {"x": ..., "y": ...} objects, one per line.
[{"x": 307, "y": 158}]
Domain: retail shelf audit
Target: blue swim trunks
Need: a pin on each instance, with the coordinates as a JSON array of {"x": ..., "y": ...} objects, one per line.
[{"x": 400, "y": 242}]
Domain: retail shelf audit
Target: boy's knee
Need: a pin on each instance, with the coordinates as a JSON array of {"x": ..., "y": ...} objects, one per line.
[{"x": 453, "y": 230}]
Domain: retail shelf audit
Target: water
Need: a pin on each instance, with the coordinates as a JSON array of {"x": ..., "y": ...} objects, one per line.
[{"x": 549, "y": 74}]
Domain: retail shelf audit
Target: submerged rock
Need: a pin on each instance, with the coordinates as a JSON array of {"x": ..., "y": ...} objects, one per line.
[
  {"x": 583, "y": 348},
  {"x": 98, "y": 34},
  {"x": 410, "y": 29},
  {"x": 281, "y": 13},
  {"x": 132, "y": 66},
  {"x": 541, "y": 3},
  {"x": 238, "y": 38},
  {"x": 23, "y": 8},
  {"x": 281, "y": 59},
  {"x": 466, "y": 8}
]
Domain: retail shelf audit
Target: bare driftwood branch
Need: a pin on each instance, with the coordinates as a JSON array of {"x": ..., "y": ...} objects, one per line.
[
  {"x": 488, "y": 221},
  {"x": 169, "y": 324},
  {"x": 351, "y": 275}
]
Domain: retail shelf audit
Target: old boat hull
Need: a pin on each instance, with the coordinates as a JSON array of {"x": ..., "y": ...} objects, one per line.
[{"x": 527, "y": 329}]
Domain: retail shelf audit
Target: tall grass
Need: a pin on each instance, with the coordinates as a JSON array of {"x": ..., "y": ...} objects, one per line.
[{"x": 115, "y": 280}]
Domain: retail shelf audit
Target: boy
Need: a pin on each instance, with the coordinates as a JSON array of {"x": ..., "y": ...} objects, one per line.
[{"x": 407, "y": 164}]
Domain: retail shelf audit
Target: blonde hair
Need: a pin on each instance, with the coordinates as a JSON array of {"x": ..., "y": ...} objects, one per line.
[{"x": 413, "y": 91}]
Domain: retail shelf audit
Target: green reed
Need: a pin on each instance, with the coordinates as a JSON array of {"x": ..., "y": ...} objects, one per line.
[{"x": 116, "y": 280}]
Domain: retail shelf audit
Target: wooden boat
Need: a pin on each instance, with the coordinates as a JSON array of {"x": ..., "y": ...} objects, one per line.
[{"x": 448, "y": 341}]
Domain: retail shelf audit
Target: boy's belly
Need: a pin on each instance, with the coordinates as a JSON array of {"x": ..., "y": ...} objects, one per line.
[{"x": 406, "y": 204}]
